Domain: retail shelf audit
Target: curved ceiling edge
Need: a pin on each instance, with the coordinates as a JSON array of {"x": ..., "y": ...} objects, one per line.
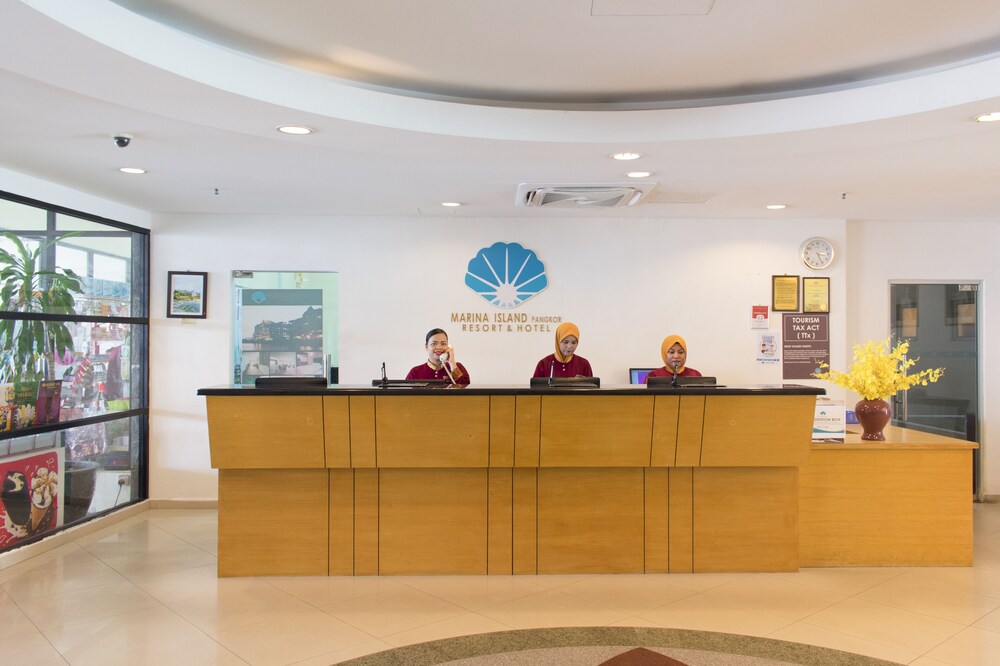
[{"x": 236, "y": 73}]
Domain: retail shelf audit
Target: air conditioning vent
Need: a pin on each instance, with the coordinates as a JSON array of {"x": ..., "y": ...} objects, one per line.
[{"x": 586, "y": 195}]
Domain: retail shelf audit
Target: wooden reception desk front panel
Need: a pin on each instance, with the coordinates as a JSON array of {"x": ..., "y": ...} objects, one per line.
[
  {"x": 366, "y": 484},
  {"x": 906, "y": 501}
]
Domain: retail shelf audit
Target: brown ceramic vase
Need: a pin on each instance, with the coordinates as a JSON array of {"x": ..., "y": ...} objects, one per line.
[{"x": 873, "y": 415}]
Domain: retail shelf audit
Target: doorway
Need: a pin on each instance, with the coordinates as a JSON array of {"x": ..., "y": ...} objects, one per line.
[{"x": 941, "y": 321}]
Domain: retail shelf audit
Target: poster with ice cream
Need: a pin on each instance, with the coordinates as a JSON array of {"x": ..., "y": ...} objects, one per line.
[{"x": 31, "y": 498}]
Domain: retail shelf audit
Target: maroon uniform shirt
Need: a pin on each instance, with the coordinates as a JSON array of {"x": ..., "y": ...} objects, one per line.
[{"x": 552, "y": 367}]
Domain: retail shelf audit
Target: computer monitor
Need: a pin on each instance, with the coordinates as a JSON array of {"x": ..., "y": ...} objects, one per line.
[
  {"x": 666, "y": 382},
  {"x": 565, "y": 382},
  {"x": 638, "y": 375}
]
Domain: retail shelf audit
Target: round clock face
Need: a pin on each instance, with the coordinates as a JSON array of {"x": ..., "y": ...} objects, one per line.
[{"x": 816, "y": 253}]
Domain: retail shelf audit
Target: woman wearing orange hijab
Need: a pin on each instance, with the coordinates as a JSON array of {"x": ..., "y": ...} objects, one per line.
[
  {"x": 674, "y": 353},
  {"x": 565, "y": 362}
]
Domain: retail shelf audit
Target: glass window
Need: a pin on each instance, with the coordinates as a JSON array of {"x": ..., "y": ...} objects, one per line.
[
  {"x": 110, "y": 268},
  {"x": 73, "y": 259},
  {"x": 73, "y": 375}
]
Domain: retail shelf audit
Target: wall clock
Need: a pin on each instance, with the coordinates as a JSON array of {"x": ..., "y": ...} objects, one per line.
[{"x": 816, "y": 253}]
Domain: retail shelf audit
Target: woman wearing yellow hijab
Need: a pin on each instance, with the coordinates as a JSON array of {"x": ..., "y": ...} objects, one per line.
[
  {"x": 565, "y": 362},
  {"x": 674, "y": 353}
]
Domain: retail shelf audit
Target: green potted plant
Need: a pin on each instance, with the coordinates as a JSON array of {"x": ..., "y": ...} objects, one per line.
[{"x": 30, "y": 344}]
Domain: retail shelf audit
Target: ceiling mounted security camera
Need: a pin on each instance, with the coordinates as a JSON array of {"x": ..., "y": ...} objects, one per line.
[{"x": 122, "y": 140}]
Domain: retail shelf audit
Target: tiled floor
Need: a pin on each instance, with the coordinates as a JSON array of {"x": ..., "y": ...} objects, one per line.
[{"x": 144, "y": 591}]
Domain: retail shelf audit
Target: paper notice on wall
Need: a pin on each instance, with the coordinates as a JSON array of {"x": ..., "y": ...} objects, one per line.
[
  {"x": 767, "y": 349},
  {"x": 758, "y": 316}
]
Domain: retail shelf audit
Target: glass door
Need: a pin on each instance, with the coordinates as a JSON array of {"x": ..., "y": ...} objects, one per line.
[{"x": 941, "y": 321}]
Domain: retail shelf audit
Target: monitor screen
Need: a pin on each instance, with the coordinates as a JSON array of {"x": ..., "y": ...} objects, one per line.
[{"x": 638, "y": 375}]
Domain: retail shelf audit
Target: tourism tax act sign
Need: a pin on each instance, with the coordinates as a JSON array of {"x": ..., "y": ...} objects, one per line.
[{"x": 805, "y": 341}]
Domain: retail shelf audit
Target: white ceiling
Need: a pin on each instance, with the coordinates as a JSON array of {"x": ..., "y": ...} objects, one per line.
[{"x": 735, "y": 104}]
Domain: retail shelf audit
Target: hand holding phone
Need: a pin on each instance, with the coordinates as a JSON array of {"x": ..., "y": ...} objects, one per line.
[{"x": 444, "y": 357}]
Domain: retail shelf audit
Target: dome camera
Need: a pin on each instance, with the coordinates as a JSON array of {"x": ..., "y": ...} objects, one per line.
[{"x": 122, "y": 140}]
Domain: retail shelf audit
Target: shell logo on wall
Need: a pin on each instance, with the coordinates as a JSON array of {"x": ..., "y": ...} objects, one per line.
[{"x": 506, "y": 274}]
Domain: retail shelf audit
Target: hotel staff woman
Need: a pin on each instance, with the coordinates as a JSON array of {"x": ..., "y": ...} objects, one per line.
[
  {"x": 441, "y": 362},
  {"x": 674, "y": 353},
  {"x": 565, "y": 362}
]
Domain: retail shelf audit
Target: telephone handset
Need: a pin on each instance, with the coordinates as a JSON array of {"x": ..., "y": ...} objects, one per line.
[{"x": 443, "y": 357}]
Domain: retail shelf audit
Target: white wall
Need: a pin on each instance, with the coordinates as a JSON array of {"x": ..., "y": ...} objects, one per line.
[{"x": 626, "y": 283}]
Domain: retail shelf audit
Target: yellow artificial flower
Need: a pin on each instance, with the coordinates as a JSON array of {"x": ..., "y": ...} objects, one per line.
[{"x": 880, "y": 370}]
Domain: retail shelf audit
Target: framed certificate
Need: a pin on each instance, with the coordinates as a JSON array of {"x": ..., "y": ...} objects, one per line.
[
  {"x": 785, "y": 293},
  {"x": 815, "y": 294}
]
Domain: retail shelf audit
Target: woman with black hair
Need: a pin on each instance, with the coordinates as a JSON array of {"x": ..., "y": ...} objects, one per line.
[{"x": 441, "y": 362}]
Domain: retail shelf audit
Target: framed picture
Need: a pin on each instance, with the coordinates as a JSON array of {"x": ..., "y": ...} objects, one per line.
[
  {"x": 961, "y": 313},
  {"x": 815, "y": 294},
  {"x": 906, "y": 300},
  {"x": 785, "y": 293},
  {"x": 187, "y": 294}
]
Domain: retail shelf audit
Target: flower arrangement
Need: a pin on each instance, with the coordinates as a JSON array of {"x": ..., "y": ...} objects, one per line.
[{"x": 880, "y": 370}]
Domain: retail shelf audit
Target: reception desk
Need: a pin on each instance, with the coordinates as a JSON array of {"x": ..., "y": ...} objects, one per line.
[
  {"x": 500, "y": 480},
  {"x": 906, "y": 501}
]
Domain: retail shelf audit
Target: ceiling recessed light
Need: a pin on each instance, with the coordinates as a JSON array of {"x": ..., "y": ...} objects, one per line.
[
  {"x": 135, "y": 170},
  {"x": 776, "y": 206},
  {"x": 639, "y": 174},
  {"x": 988, "y": 117},
  {"x": 626, "y": 156},
  {"x": 450, "y": 204},
  {"x": 297, "y": 130}
]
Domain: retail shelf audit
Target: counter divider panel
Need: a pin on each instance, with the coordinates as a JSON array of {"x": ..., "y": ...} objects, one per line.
[
  {"x": 656, "y": 517},
  {"x": 527, "y": 432},
  {"x": 663, "y": 446},
  {"x": 500, "y": 515},
  {"x": 341, "y": 522},
  {"x": 337, "y": 431},
  {"x": 502, "y": 416},
  {"x": 691, "y": 419},
  {"x": 364, "y": 451},
  {"x": 366, "y": 522},
  {"x": 681, "y": 520},
  {"x": 525, "y": 520}
]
